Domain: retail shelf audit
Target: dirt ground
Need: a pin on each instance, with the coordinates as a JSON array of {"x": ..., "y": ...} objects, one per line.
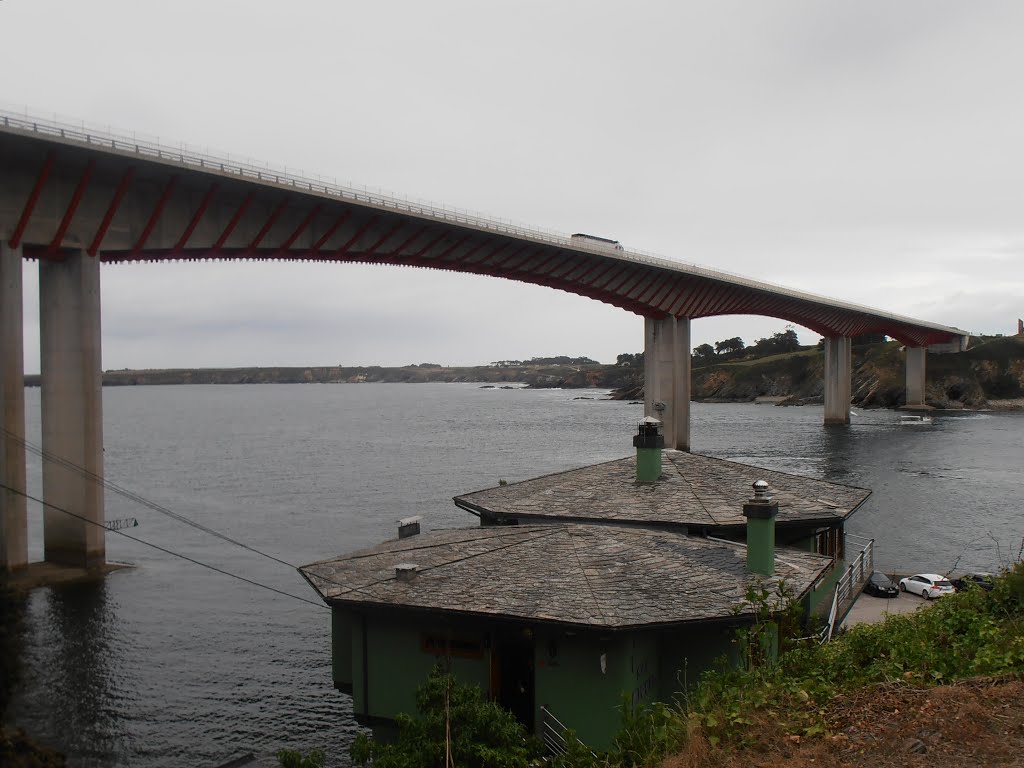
[{"x": 973, "y": 723}]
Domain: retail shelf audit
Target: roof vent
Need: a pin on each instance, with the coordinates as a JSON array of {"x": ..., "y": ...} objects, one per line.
[
  {"x": 761, "y": 494},
  {"x": 409, "y": 526},
  {"x": 406, "y": 571}
]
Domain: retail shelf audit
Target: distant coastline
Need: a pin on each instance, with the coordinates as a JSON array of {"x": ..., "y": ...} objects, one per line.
[{"x": 989, "y": 375}]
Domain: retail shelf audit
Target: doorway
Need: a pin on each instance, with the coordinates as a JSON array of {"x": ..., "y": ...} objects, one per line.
[{"x": 512, "y": 675}]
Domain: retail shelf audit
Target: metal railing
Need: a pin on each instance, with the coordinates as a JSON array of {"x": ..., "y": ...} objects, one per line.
[
  {"x": 181, "y": 154},
  {"x": 552, "y": 733},
  {"x": 850, "y": 583}
]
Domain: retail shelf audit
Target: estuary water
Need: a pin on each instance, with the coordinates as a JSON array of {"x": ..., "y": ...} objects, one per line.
[{"x": 169, "y": 664}]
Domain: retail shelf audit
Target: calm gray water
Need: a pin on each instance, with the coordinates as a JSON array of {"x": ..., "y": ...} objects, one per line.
[{"x": 169, "y": 664}]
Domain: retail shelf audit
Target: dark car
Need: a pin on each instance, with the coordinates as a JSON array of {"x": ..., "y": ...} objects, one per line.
[
  {"x": 881, "y": 585},
  {"x": 983, "y": 580}
]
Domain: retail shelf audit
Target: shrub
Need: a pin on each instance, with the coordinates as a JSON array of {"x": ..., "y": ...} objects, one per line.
[{"x": 454, "y": 722}]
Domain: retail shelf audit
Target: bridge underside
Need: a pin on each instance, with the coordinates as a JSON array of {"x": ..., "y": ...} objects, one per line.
[
  {"x": 74, "y": 201},
  {"x": 129, "y": 207}
]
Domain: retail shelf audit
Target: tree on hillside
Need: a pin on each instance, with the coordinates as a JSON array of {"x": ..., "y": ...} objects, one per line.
[
  {"x": 729, "y": 346},
  {"x": 778, "y": 343},
  {"x": 704, "y": 352},
  {"x": 630, "y": 361}
]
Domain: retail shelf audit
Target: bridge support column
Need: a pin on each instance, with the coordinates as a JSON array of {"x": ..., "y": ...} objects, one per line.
[
  {"x": 13, "y": 515},
  {"x": 916, "y": 369},
  {"x": 667, "y": 378},
  {"x": 72, "y": 409},
  {"x": 838, "y": 381}
]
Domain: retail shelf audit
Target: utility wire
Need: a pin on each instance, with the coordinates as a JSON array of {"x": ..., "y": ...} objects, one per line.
[
  {"x": 164, "y": 549},
  {"x": 141, "y": 500},
  {"x": 132, "y": 496}
]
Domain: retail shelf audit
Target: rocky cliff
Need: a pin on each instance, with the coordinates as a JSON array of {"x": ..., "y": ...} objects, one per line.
[{"x": 990, "y": 374}]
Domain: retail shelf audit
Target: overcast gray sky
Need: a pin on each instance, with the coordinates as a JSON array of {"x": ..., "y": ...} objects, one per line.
[{"x": 870, "y": 151}]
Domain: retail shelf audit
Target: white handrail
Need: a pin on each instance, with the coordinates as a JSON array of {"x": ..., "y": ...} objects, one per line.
[{"x": 181, "y": 154}]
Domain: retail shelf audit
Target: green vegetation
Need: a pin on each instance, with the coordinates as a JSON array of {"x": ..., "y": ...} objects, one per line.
[
  {"x": 288, "y": 758},
  {"x": 970, "y": 634},
  {"x": 455, "y": 727}
]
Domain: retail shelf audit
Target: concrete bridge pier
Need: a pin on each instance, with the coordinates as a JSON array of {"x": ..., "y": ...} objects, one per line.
[
  {"x": 916, "y": 369},
  {"x": 667, "y": 377},
  {"x": 838, "y": 379},
  {"x": 72, "y": 409},
  {"x": 13, "y": 516}
]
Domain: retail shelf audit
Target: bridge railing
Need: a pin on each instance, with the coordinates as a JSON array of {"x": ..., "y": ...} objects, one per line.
[{"x": 182, "y": 154}]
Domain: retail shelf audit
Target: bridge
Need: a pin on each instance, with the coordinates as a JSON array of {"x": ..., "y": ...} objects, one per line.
[{"x": 72, "y": 199}]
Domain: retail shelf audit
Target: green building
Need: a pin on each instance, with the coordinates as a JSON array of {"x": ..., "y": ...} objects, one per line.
[{"x": 581, "y": 589}]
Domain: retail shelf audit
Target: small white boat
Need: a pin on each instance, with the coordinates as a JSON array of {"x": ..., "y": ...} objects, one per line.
[{"x": 915, "y": 418}]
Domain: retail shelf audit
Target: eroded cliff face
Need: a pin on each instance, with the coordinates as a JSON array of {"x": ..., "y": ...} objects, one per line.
[{"x": 989, "y": 375}]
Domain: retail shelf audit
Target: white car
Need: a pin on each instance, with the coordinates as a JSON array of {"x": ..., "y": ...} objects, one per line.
[{"x": 927, "y": 585}]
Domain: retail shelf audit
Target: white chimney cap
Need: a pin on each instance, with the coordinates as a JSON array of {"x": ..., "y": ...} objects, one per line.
[{"x": 650, "y": 420}]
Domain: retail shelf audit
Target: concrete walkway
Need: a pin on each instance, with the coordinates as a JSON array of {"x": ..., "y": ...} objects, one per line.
[{"x": 869, "y": 609}]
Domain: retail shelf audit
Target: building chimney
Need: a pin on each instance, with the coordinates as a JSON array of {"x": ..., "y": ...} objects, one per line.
[
  {"x": 760, "y": 512},
  {"x": 648, "y": 442},
  {"x": 406, "y": 571},
  {"x": 409, "y": 526}
]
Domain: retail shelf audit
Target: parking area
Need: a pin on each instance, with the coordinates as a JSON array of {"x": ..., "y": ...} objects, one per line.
[{"x": 871, "y": 610}]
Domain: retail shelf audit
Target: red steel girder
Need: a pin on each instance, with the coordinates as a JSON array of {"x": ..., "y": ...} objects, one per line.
[
  {"x": 682, "y": 302},
  {"x": 203, "y": 205},
  {"x": 502, "y": 264},
  {"x": 610, "y": 265},
  {"x": 342, "y": 218},
  {"x": 352, "y": 241},
  {"x": 562, "y": 271},
  {"x": 108, "y": 217},
  {"x": 155, "y": 216},
  {"x": 538, "y": 269},
  {"x": 716, "y": 300},
  {"x": 708, "y": 301},
  {"x": 415, "y": 258},
  {"x": 450, "y": 248},
  {"x": 629, "y": 278},
  {"x": 237, "y": 217},
  {"x": 641, "y": 279},
  {"x": 371, "y": 251},
  {"x": 734, "y": 303},
  {"x": 658, "y": 281},
  {"x": 397, "y": 252},
  {"x": 616, "y": 277},
  {"x": 665, "y": 292},
  {"x": 598, "y": 263},
  {"x": 525, "y": 266},
  {"x": 69, "y": 213},
  {"x": 487, "y": 257},
  {"x": 267, "y": 226},
  {"x": 33, "y": 198},
  {"x": 290, "y": 240},
  {"x": 459, "y": 261}
]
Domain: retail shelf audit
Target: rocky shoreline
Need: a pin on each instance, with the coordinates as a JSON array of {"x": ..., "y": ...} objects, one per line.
[{"x": 990, "y": 375}]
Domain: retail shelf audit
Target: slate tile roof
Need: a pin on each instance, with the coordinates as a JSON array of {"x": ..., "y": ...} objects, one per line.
[
  {"x": 694, "y": 490},
  {"x": 606, "y": 576}
]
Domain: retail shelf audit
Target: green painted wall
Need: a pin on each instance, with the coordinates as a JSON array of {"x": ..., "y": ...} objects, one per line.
[
  {"x": 639, "y": 668},
  {"x": 819, "y": 599},
  {"x": 686, "y": 654},
  {"x": 570, "y": 683},
  {"x": 341, "y": 648},
  {"x": 397, "y": 664}
]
